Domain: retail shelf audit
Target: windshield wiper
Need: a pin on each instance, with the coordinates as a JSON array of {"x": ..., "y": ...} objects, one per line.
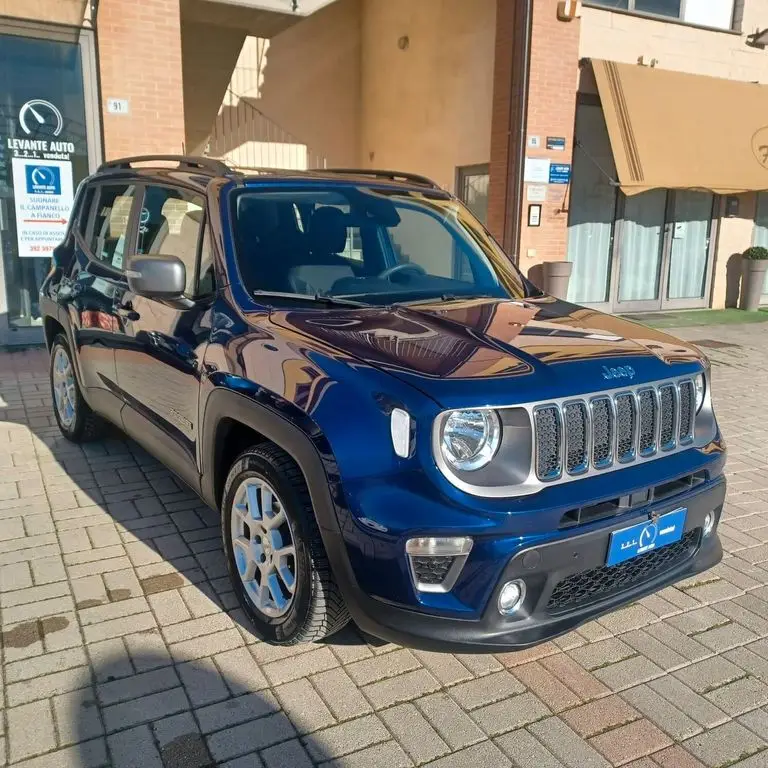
[
  {"x": 446, "y": 297},
  {"x": 317, "y": 298}
]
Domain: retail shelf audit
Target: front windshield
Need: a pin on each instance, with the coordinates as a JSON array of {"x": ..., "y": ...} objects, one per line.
[{"x": 369, "y": 244}]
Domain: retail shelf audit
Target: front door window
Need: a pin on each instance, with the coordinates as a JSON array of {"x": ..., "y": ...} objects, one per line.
[{"x": 44, "y": 155}]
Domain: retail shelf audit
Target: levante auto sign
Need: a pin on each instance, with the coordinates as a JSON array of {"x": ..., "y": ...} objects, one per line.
[{"x": 43, "y": 187}]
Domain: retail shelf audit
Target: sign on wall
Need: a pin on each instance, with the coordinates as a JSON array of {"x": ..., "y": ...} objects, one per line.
[
  {"x": 536, "y": 170},
  {"x": 43, "y": 196},
  {"x": 559, "y": 173}
]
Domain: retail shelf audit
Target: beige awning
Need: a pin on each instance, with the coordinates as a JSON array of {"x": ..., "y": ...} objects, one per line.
[{"x": 676, "y": 130}]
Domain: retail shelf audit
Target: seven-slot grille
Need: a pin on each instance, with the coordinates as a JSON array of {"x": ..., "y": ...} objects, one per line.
[{"x": 596, "y": 432}]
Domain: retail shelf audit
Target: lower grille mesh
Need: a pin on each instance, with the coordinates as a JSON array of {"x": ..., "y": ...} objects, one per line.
[
  {"x": 598, "y": 583},
  {"x": 431, "y": 570}
]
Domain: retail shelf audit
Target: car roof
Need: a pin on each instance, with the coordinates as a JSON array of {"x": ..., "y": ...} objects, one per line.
[{"x": 200, "y": 171}]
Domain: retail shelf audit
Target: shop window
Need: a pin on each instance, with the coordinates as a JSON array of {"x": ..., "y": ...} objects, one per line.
[
  {"x": 639, "y": 252},
  {"x": 709, "y": 13},
  {"x": 472, "y": 189},
  {"x": 169, "y": 225},
  {"x": 110, "y": 227},
  {"x": 760, "y": 233},
  {"x": 44, "y": 156},
  {"x": 592, "y": 209}
]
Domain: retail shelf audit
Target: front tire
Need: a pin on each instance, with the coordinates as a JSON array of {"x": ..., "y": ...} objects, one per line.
[
  {"x": 275, "y": 554},
  {"x": 74, "y": 416}
]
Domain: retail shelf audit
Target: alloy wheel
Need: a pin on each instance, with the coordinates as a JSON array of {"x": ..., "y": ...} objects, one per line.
[
  {"x": 264, "y": 547},
  {"x": 64, "y": 387}
]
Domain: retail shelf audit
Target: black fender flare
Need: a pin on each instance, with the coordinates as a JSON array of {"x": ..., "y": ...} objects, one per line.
[{"x": 226, "y": 404}]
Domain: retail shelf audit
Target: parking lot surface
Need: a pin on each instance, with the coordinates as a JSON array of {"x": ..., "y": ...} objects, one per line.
[{"x": 122, "y": 644}]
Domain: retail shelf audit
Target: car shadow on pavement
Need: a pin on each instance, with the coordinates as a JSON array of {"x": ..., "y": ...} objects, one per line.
[
  {"x": 138, "y": 606},
  {"x": 187, "y": 715}
]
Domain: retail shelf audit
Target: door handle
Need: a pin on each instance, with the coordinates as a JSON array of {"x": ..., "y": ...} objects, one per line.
[{"x": 127, "y": 311}]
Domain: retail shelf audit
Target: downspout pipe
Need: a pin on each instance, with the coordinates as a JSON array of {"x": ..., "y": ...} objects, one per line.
[{"x": 518, "y": 126}]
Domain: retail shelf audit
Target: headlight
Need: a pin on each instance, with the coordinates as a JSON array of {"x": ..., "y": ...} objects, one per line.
[
  {"x": 700, "y": 386},
  {"x": 470, "y": 439}
]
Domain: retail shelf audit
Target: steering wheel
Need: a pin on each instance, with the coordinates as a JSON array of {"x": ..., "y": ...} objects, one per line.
[{"x": 389, "y": 271}]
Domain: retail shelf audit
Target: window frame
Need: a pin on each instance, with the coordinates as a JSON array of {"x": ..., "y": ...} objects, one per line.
[
  {"x": 189, "y": 192},
  {"x": 680, "y": 19},
  {"x": 462, "y": 172}
]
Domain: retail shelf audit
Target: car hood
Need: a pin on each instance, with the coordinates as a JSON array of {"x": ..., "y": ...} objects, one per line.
[{"x": 491, "y": 351}]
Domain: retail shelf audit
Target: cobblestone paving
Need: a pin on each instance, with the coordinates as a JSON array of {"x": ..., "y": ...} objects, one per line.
[{"x": 122, "y": 645}]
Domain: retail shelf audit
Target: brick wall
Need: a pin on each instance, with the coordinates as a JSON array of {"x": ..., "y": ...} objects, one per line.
[
  {"x": 140, "y": 60},
  {"x": 551, "y": 112}
]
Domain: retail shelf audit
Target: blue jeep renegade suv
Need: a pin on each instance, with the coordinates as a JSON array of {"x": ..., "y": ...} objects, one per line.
[{"x": 396, "y": 426}]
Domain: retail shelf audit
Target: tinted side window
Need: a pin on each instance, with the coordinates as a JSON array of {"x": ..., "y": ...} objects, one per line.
[
  {"x": 89, "y": 195},
  {"x": 169, "y": 225},
  {"x": 110, "y": 224}
]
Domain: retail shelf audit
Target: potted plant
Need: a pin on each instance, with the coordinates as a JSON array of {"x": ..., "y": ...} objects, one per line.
[{"x": 754, "y": 263}]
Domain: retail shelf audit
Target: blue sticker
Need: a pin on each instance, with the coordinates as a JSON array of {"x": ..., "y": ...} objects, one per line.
[
  {"x": 43, "y": 179},
  {"x": 559, "y": 173}
]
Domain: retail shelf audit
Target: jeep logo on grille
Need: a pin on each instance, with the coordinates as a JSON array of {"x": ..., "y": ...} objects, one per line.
[{"x": 620, "y": 372}]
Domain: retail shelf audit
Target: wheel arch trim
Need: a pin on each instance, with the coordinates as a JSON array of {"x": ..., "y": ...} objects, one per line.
[{"x": 222, "y": 404}]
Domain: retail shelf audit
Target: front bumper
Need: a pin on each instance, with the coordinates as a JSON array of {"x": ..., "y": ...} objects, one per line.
[{"x": 546, "y": 613}]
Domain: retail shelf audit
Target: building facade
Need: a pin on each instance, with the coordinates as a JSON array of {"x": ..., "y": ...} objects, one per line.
[{"x": 621, "y": 135}]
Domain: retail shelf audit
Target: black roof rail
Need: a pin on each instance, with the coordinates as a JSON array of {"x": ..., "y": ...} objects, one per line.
[
  {"x": 391, "y": 175},
  {"x": 186, "y": 162}
]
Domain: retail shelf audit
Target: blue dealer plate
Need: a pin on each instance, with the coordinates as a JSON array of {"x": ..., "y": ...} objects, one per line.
[{"x": 643, "y": 537}]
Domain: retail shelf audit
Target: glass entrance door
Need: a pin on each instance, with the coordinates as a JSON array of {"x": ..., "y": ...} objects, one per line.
[
  {"x": 47, "y": 109},
  {"x": 690, "y": 225},
  {"x": 641, "y": 251},
  {"x": 663, "y": 251}
]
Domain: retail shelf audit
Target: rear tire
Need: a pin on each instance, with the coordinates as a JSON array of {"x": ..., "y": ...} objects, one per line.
[
  {"x": 275, "y": 554},
  {"x": 74, "y": 416}
]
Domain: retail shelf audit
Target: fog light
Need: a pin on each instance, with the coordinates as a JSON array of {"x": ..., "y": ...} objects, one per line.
[
  {"x": 511, "y": 597},
  {"x": 709, "y": 523}
]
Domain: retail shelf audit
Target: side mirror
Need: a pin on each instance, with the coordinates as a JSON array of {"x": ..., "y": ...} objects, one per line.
[{"x": 162, "y": 278}]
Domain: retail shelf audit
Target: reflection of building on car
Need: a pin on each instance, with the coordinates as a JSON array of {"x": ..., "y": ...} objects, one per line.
[{"x": 395, "y": 424}]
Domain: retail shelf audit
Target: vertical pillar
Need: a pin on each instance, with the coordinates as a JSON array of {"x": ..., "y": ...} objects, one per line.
[
  {"x": 549, "y": 111},
  {"x": 507, "y": 118},
  {"x": 140, "y": 62}
]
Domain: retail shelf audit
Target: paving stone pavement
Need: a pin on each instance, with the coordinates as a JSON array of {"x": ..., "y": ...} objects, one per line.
[{"x": 122, "y": 644}]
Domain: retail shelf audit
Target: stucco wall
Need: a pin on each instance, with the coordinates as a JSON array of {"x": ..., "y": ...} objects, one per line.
[
  {"x": 71, "y": 12},
  {"x": 733, "y": 237},
  {"x": 623, "y": 37},
  {"x": 209, "y": 54},
  {"x": 311, "y": 82},
  {"x": 427, "y": 108}
]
